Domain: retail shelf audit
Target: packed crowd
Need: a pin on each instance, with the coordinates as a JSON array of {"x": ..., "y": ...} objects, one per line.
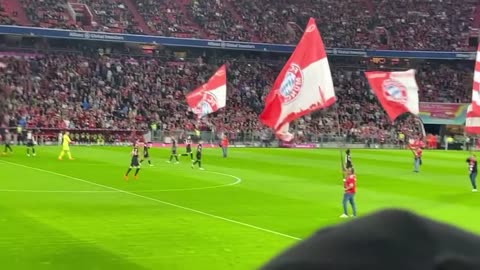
[
  {"x": 168, "y": 18},
  {"x": 78, "y": 92},
  {"x": 373, "y": 24},
  {"x": 447, "y": 83},
  {"x": 218, "y": 21},
  {"x": 48, "y": 13},
  {"x": 423, "y": 24},
  {"x": 112, "y": 16},
  {"x": 5, "y": 17},
  {"x": 412, "y": 24}
]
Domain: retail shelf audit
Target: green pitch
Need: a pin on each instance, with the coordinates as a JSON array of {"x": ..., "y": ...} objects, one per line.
[{"x": 236, "y": 214}]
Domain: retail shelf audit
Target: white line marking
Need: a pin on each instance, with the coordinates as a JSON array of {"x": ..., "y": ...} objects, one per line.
[
  {"x": 56, "y": 191},
  {"x": 238, "y": 181},
  {"x": 156, "y": 200}
]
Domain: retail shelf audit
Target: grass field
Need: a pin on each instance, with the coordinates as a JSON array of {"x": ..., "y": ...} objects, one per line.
[{"x": 236, "y": 214}]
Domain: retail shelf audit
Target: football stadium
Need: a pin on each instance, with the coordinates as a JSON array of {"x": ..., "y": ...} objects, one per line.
[{"x": 321, "y": 134}]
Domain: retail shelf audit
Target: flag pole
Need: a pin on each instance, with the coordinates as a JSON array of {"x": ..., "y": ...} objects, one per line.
[{"x": 342, "y": 166}]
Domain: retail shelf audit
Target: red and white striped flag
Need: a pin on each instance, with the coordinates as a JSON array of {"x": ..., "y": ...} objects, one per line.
[
  {"x": 304, "y": 85},
  {"x": 472, "y": 123},
  {"x": 211, "y": 96},
  {"x": 476, "y": 84}
]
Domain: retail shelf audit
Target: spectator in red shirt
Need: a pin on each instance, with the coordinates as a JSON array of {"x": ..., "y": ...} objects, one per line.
[
  {"x": 349, "y": 185},
  {"x": 224, "y": 145}
]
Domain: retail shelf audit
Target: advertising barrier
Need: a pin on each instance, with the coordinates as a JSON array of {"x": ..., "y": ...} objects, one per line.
[
  {"x": 443, "y": 113},
  {"x": 216, "y": 44}
]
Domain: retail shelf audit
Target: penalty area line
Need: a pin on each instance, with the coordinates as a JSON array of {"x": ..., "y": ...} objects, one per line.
[{"x": 156, "y": 200}]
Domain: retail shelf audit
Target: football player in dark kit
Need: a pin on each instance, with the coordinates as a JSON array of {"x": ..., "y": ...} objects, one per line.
[
  {"x": 174, "y": 152},
  {"x": 146, "y": 153},
  {"x": 199, "y": 157},
  {"x": 348, "y": 160},
  {"x": 472, "y": 169},
  {"x": 189, "y": 151},
  {"x": 134, "y": 162}
]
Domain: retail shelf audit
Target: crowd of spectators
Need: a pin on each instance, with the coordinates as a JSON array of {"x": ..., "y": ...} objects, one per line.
[
  {"x": 218, "y": 21},
  {"x": 423, "y": 24},
  {"x": 112, "y": 16},
  {"x": 409, "y": 24},
  {"x": 5, "y": 17},
  {"x": 455, "y": 82},
  {"x": 372, "y": 24},
  {"x": 87, "y": 92},
  {"x": 48, "y": 13},
  {"x": 169, "y": 18}
]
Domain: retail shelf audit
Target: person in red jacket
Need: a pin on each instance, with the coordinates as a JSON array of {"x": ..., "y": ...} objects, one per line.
[
  {"x": 224, "y": 145},
  {"x": 350, "y": 188},
  {"x": 417, "y": 158}
]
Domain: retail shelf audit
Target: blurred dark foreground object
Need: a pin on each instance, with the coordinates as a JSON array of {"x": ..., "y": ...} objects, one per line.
[{"x": 387, "y": 240}]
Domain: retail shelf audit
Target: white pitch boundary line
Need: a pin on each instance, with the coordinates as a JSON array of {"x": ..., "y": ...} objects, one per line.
[
  {"x": 56, "y": 191},
  {"x": 156, "y": 200},
  {"x": 238, "y": 181}
]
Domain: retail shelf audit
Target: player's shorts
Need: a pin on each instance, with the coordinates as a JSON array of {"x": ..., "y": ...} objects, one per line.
[
  {"x": 199, "y": 157},
  {"x": 30, "y": 143},
  {"x": 146, "y": 155},
  {"x": 66, "y": 148},
  {"x": 134, "y": 162},
  {"x": 174, "y": 151},
  {"x": 189, "y": 149}
]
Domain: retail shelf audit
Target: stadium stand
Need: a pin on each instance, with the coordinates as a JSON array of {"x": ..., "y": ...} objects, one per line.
[
  {"x": 49, "y": 14},
  {"x": 113, "y": 16},
  {"x": 169, "y": 18},
  {"x": 372, "y": 24},
  {"x": 80, "y": 91},
  {"x": 6, "y": 15},
  {"x": 219, "y": 21}
]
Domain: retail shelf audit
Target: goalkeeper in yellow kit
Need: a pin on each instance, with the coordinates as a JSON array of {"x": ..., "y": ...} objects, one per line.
[{"x": 66, "y": 146}]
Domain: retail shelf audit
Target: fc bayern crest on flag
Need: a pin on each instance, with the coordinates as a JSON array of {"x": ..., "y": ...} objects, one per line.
[
  {"x": 211, "y": 96},
  {"x": 394, "y": 90},
  {"x": 397, "y": 91},
  {"x": 303, "y": 86},
  {"x": 292, "y": 84},
  {"x": 208, "y": 104}
]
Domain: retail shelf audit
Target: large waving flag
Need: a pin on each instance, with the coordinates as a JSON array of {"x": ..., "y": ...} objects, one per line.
[
  {"x": 472, "y": 123},
  {"x": 476, "y": 85},
  {"x": 211, "y": 96},
  {"x": 303, "y": 86},
  {"x": 396, "y": 91}
]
